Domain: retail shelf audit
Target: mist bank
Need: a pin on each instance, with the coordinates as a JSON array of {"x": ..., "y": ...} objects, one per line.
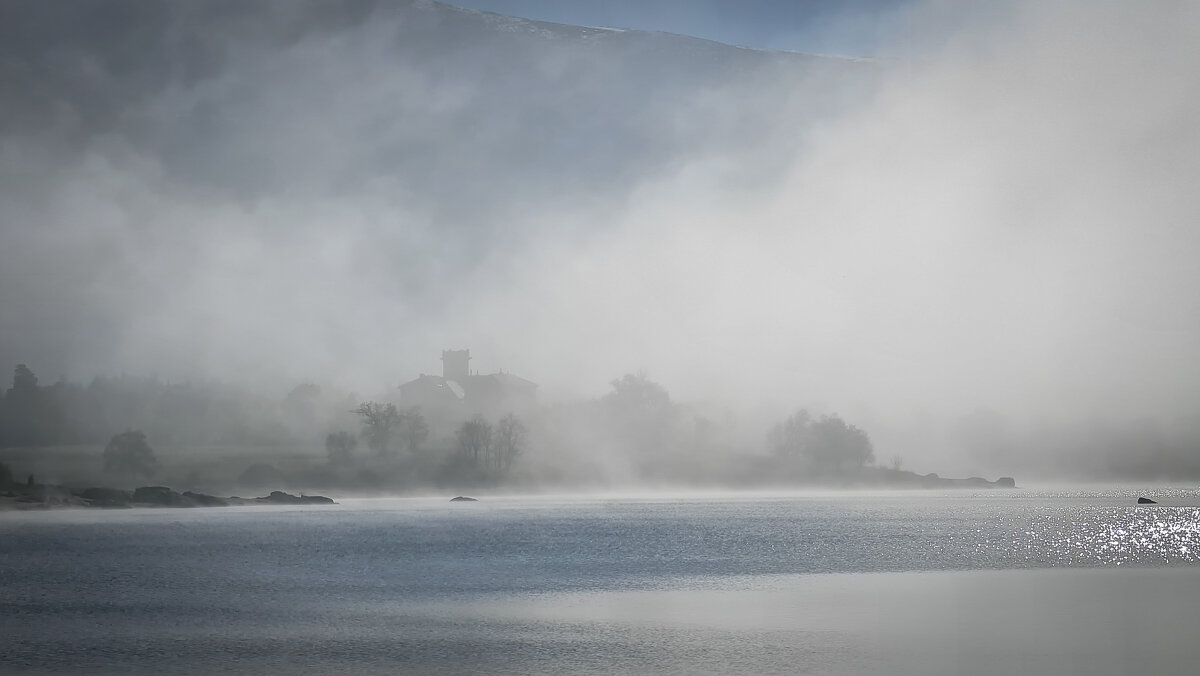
[
  {"x": 983, "y": 257},
  {"x": 220, "y": 439},
  {"x": 268, "y": 190}
]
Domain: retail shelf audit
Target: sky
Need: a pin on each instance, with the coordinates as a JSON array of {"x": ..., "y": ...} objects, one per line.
[{"x": 865, "y": 28}]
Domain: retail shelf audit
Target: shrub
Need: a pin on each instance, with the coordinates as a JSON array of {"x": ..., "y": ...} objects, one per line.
[{"x": 129, "y": 452}]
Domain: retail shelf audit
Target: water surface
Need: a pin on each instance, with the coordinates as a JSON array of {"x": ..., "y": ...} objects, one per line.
[{"x": 906, "y": 582}]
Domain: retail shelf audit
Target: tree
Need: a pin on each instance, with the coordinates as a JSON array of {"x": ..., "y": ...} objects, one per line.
[
  {"x": 302, "y": 402},
  {"x": 641, "y": 414},
  {"x": 23, "y": 422},
  {"x": 24, "y": 381},
  {"x": 340, "y": 446},
  {"x": 509, "y": 441},
  {"x": 413, "y": 429},
  {"x": 638, "y": 396},
  {"x": 838, "y": 446},
  {"x": 792, "y": 437},
  {"x": 379, "y": 425},
  {"x": 475, "y": 440},
  {"x": 826, "y": 445},
  {"x": 129, "y": 452}
]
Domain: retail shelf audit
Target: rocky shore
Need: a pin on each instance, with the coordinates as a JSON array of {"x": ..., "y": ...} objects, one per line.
[
  {"x": 893, "y": 477},
  {"x": 33, "y": 496},
  {"x": 41, "y": 496},
  {"x": 872, "y": 478}
]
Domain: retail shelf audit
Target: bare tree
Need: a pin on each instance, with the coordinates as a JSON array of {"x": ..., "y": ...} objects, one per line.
[
  {"x": 475, "y": 440},
  {"x": 509, "y": 441},
  {"x": 413, "y": 429},
  {"x": 379, "y": 425},
  {"x": 792, "y": 437}
]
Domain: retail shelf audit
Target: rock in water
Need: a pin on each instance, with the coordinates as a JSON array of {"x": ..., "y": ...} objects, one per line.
[
  {"x": 204, "y": 500},
  {"x": 1146, "y": 501},
  {"x": 281, "y": 498},
  {"x": 159, "y": 495},
  {"x": 106, "y": 497},
  {"x": 463, "y": 498}
]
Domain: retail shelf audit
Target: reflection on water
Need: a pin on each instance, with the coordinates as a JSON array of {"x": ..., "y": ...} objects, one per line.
[
  {"x": 1115, "y": 536},
  {"x": 681, "y": 585},
  {"x": 988, "y": 622}
]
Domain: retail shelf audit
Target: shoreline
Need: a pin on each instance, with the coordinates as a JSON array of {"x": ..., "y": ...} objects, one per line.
[
  {"x": 34, "y": 496},
  {"x": 42, "y": 497}
]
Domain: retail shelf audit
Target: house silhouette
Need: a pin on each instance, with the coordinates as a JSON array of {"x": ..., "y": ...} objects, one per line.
[{"x": 458, "y": 392}]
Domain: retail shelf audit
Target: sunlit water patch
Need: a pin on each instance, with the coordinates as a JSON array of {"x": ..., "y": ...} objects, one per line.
[{"x": 1113, "y": 536}]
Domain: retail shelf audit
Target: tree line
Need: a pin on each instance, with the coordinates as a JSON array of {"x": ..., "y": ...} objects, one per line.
[
  {"x": 481, "y": 449},
  {"x": 634, "y": 431},
  {"x": 33, "y": 414}
]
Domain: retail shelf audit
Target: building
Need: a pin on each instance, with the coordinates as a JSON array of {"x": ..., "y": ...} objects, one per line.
[{"x": 460, "y": 393}]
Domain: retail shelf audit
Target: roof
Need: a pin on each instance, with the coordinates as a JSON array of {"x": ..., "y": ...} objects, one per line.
[
  {"x": 435, "y": 384},
  {"x": 509, "y": 379}
]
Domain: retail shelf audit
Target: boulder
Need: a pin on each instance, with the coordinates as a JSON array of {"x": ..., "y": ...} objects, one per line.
[
  {"x": 106, "y": 497},
  {"x": 1146, "y": 501},
  {"x": 159, "y": 495},
  {"x": 202, "y": 500},
  {"x": 932, "y": 480},
  {"x": 1006, "y": 482},
  {"x": 281, "y": 498}
]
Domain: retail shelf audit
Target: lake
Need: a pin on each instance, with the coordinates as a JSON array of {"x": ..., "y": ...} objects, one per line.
[{"x": 1021, "y": 581}]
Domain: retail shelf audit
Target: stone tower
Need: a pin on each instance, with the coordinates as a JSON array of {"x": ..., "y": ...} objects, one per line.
[{"x": 456, "y": 364}]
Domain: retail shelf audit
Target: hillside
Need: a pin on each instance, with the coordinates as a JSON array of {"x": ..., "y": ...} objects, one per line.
[{"x": 229, "y": 151}]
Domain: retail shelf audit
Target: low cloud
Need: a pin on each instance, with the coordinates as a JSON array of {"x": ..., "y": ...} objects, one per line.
[{"x": 1006, "y": 221}]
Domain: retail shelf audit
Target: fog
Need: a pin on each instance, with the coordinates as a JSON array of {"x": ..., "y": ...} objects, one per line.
[{"x": 998, "y": 224}]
